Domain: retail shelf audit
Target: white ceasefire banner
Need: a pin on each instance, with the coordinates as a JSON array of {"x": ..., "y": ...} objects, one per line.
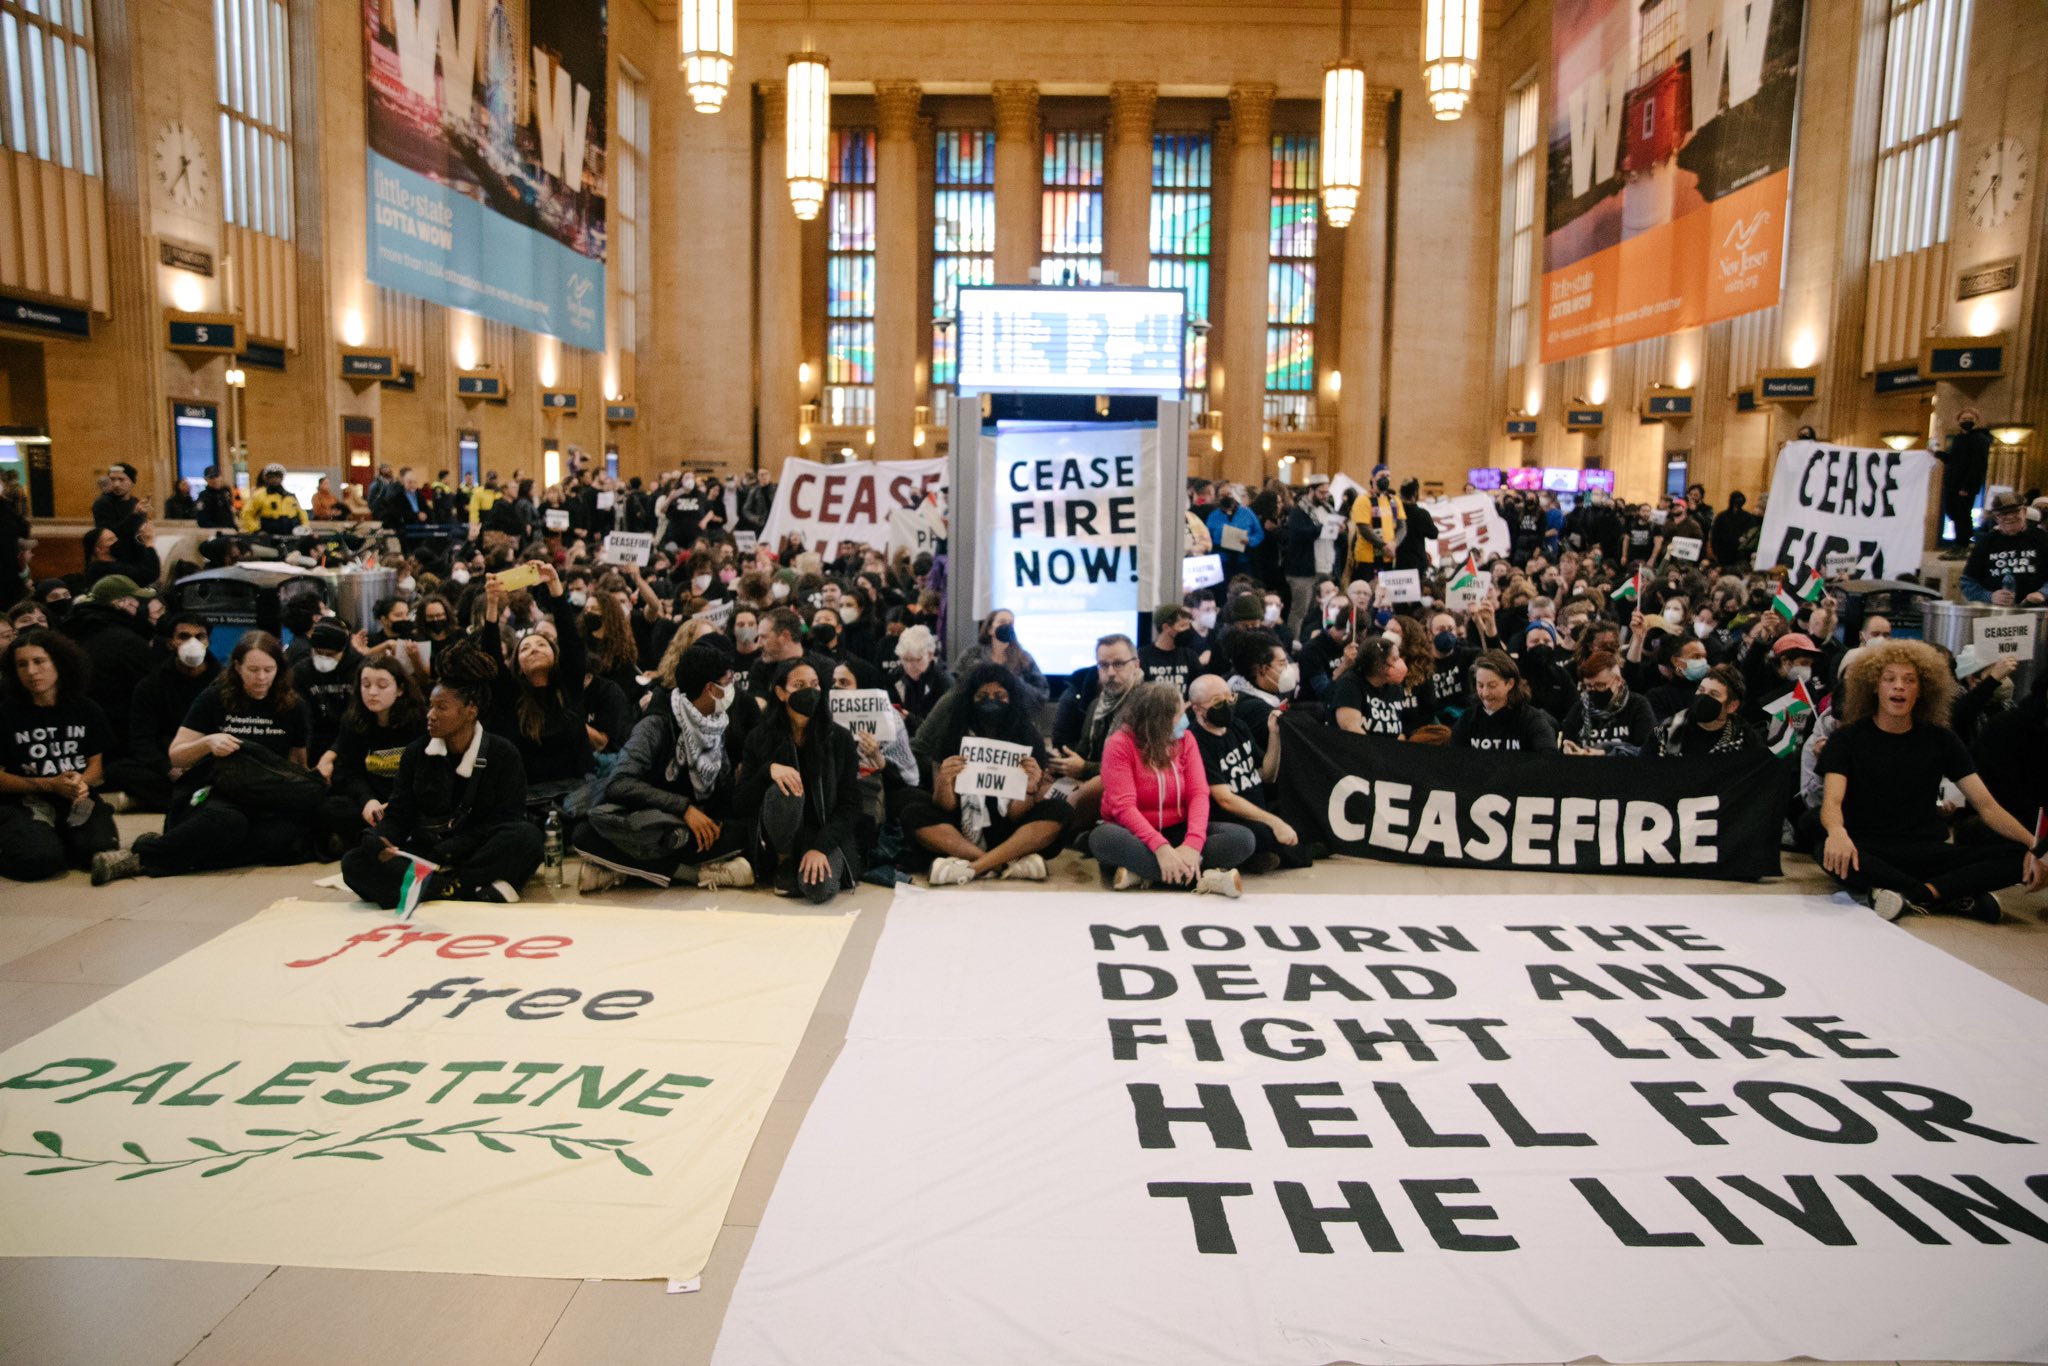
[
  {"x": 1469, "y": 524},
  {"x": 1846, "y": 500},
  {"x": 1127, "y": 1129},
  {"x": 566, "y": 1090},
  {"x": 827, "y": 504}
]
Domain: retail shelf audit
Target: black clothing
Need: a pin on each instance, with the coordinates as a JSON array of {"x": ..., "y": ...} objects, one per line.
[
  {"x": 2012, "y": 756},
  {"x": 1178, "y": 666},
  {"x": 1413, "y": 551},
  {"x": 1894, "y": 781},
  {"x": 253, "y": 723},
  {"x": 2023, "y": 558},
  {"x": 42, "y": 834},
  {"x": 155, "y": 712},
  {"x": 1519, "y": 725},
  {"x": 917, "y": 696},
  {"x": 326, "y": 696},
  {"x": 1383, "y": 708},
  {"x": 561, "y": 751},
  {"x": 117, "y": 643},
  {"x": 607, "y": 709},
  {"x": 828, "y": 821},
  {"x": 1678, "y": 738},
  {"x": 216, "y": 509},
  {"x": 1628, "y": 726},
  {"x": 1232, "y": 760},
  {"x": 474, "y": 827},
  {"x": 1728, "y": 532}
]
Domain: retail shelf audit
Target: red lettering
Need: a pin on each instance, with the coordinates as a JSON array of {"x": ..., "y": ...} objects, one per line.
[
  {"x": 835, "y": 493},
  {"x": 549, "y": 941},
  {"x": 458, "y": 946},
  {"x": 797, "y": 488},
  {"x": 413, "y": 937},
  {"x": 899, "y": 489},
  {"x": 863, "y": 508},
  {"x": 486, "y": 941}
]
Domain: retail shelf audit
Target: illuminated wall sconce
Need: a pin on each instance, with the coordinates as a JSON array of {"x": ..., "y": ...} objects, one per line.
[
  {"x": 465, "y": 354},
  {"x": 917, "y": 438},
  {"x": 1900, "y": 441},
  {"x": 187, "y": 294},
  {"x": 235, "y": 378},
  {"x": 1596, "y": 392},
  {"x": 803, "y": 372},
  {"x": 1983, "y": 318},
  {"x": 1805, "y": 350},
  {"x": 2012, "y": 433},
  {"x": 353, "y": 333},
  {"x": 803, "y": 436},
  {"x": 1266, "y": 444},
  {"x": 1336, "y": 382},
  {"x": 871, "y": 436},
  {"x": 547, "y": 372},
  {"x": 1216, "y": 443}
]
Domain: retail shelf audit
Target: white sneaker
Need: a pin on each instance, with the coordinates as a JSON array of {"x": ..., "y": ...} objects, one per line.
[
  {"x": 1888, "y": 904},
  {"x": 1030, "y": 868},
  {"x": 1128, "y": 881},
  {"x": 732, "y": 872},
  {"x": 507, "y": 893},
  {"x": 1220, "y": 882},
  {"x": 950, "y": 872},
  {"x": 595, "y": 877}
]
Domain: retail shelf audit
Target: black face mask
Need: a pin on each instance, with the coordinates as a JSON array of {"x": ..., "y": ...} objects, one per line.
[
  {"x": 1218, "y": 715},
  {"x": 824, "y": 637},
  {"x": 437, "y": 628},
  {"x": 804, "y": 701},
  {"x": 1703, "y": 711},
  {"x": 1968, "y": 425},
  {"x": 990, "y": 711},
  {"x": 1603, "y": 698}
]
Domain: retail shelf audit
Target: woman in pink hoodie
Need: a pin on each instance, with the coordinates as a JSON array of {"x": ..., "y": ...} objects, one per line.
[{"x": 1155, "y": 803}]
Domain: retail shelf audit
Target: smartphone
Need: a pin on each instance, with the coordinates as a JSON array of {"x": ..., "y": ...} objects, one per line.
[{"x": 525, "y": 574}]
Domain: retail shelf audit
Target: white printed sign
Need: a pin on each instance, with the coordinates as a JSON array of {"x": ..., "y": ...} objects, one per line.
[
  {"x": 1126, "y": 1129},
  {"x": 1065, "y": 537},
  {"x": 627, "y": 547},
  {"x": 719, "y": 614},
  {"x": 1684, "y": 548},
  {"x": 1829, "y": 499},
  {"x": 605, "y": 499},
  {"x": 1466, "y": 599},
  {"x": 744, "y": 542},
  {"x": 1403, "y": 585},
  {"x": 1200, "y": 571},
  {"x": 995, "y": 768},
  {"x": 827, "y": 504},
  {"x": 1840, "y": 564},
  {"x": 1235, "y": 538},
  {"x": 871, "y": 711},
  {"x": 916, "y": 531},
  {"x": 2015, "y": 635},
  {"x": 555, "y": 519}
]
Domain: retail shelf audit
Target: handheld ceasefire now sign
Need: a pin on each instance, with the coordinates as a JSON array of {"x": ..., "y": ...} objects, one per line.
[
  {"x": 995, "y": 768},
  {"x": 2015, "y": 636},
  {"x": 628, "y": 547},
  {"x": 1828, "y": 500}
]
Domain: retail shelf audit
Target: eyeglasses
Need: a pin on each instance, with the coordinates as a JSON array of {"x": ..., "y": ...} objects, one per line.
[{"x": 1107, "y": 664}]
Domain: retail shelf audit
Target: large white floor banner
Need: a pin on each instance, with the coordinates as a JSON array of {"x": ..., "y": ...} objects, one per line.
[
  {"x": 1121, "y": 1130},
  {"x": 534, "y": 1090}
]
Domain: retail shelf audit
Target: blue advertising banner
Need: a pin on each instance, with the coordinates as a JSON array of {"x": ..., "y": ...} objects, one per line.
[{"x": 474, "y": 202}]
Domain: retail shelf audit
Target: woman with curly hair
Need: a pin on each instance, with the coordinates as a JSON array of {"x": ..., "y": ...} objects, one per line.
[
  {"x": 1882, "y": 773},
  {"x": 53, "y": 740}
]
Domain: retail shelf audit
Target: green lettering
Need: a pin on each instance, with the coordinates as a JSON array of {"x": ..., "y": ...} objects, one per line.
[
  {"x": 289, "y": 1076},
  {"x": 527, "y": 1072},
  {"x": 143, "y": 1085},
  {"x": 190, "y": 1096},
  {"x": 590, "y": 1078},
  {"x": 659, "y": 1091},
  {"x": 30, "y": 1081},
  {"x": 368, "y": 1077},
  {"x": 461, "y": 1071}
]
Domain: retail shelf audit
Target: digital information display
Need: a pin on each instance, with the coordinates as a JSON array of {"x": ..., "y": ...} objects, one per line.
[{"x": 1038, "y": 339}]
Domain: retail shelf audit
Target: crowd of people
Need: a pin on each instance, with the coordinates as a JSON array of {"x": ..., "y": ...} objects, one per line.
[{"x": 736, "y": 713}]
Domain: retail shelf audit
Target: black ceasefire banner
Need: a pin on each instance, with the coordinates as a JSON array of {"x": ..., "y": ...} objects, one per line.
[{"x": 1707, "y": 817}]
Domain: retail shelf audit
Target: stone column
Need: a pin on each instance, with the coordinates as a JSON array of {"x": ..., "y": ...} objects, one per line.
[
  {"x": 1361, "y": 343},
  {"x": 779, "y": 297},
  {"x": 1244, "y": 288},
  {"x": 1020, "y": 161},
  {"x": 896, "y": 258},
  {"x": 1127, "y": 184}
]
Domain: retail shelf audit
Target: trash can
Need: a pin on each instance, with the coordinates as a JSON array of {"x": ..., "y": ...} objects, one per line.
[
  {"x": 1953, "y": 625},
  {"x": 356, "y": 592}
]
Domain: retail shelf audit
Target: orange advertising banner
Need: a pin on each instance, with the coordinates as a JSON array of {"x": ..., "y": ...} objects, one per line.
[{"x": 1669, "y": 146}]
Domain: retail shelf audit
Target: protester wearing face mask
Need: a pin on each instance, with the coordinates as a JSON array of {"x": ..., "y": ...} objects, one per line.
[
  {"x": 801, "y": 774},
  {"x": 1965, "y": 461},
  {"x": 1608, "y": 719},
  {"x": 1681, "y": 670},
  {"x": 325, "y": 681},
  {"x": 1235, "y": 530},
  {"x": 1241, "y": 769},
  {"x": 1308, "y": 549},
  {"x": 918, "y": 678},
  {"x": 140, "y": 779},
  {"x": 1792, "y": 665},
  {"x": 1501, "y": 716},
  {"x": 1710, "y": 723},
  {"x": 1157, "y": 826},
  {"x": 746, "y": 644},
  {"x": 975, "y": 836},
  {"x": 997, "y": 644},
  {"x": 1452, "y": 659},
  {"x": 1263, "y": 682},
  {"x": 1368, "y": 698},
  {"x": 1168, "y": 657},
  {"x": 668, "y": 811}
]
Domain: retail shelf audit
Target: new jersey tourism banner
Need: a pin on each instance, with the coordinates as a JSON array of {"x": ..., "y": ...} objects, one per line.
[
  {"x": 1670, "y": 143},
  {"x": 487, "y": 158},
  {"x": 538, "y": 1090}
]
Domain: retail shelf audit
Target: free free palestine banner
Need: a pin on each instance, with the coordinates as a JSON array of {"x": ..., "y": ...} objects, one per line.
[
  {"x": 487, "y": 171},
  {"x": 1119, "y": 1130},
  {"x": 1669, "y": 148},
  {"x": 565, "y": 1091}
]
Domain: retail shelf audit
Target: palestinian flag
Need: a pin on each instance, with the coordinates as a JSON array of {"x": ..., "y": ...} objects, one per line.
[
  {"x": 1632, "y": 591},
  {"x": 417, "y": 871},
  {"x": 1789, "y": 709},
  {"x": 1788, "y": 603},
  {"x": 1466, "y": 578}
]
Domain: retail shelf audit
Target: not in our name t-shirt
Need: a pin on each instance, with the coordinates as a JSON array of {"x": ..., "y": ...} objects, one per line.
[{"x": 42, "y": 742}]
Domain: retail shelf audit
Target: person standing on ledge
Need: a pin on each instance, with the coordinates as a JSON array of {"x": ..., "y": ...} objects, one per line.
[{"x": 1964, "y": 465}]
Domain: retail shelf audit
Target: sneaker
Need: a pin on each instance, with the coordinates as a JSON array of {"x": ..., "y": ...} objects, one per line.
[
  {"x": 500, "y": 893},
  {"x": 951, "y": 872},
  {"x": 732, "y": 872},
  {"x": 1220, "y": 882},
  {"x": 1128, "y": 881},
  {"x": 1888, "y": 904},
  {"x": 1981, "y": 907},
  {"x": 439, "y": 888},
  {"x": 595, "y": 877},
  {"x": 112, "y": 865},
  {"x": 1030, "y": 868},
  {"x": 118, "y": 802}
]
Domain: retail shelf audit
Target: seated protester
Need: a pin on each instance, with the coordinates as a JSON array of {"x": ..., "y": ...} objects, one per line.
[
  {"x": 1368, "y": 698},
  {"x": 974, "y": 836},
  {"x": 1502, "y": 715},
  {"x": 1708, "y": 631},
  {"x": 438, "y": 627},
  {"x": 459, "y": 803},
  {"x": 1792, "y": 664},
  {"x": 325, "y": 681},
  {"x": 1711, "y": 723},
  {"x": 917, "y": 680},
  {"x": 384, "y": 716},
  {"x": 746, "y": 641},
  {"x": 1238, "y": 770},
  {"x": 828, "y": 638},
  {"x": 157, "y": 708},
  {"x": 860, "y": 623},
  {"x": 53, "y": 741},
  {"x": 1274, "y": 618},
  {"x": 1086, "y": 716},
  {"x": 538, "y": 700},
  {"x": 1324, "y": 651},
  {"x": 611, "y": 648},
  {"x": 1608, "y": 718},
  {"x": 1167, "y": 657},
  {"x": 1156, "y": 822},
  {"x": 608, "y": 718},
  {"x": 801, "y": 774},
  {"x": 252, "y": 704},
  {"x": 102, "y": 556},
  {"x": 1262, "y": 681},
  {"x": 393, "y": 621},
  {"x": 1549, "y": 665},
  {"x": 2011, "y": 751},
  {"x": 2008, "y": 566},
  {"x": 1982, "y": 692},
  {"x": 1449, "y": 690},
  {"x": 1883, "y": 771},
  {"x": 1681, "y": 672},
  {"x": 783, "y": 638},
  {"x": 667, "y": 811},
  {"x": 110, "y": 627},
  {"x": 998, "y": 645},
  {"x": 1418, "y": 653}
]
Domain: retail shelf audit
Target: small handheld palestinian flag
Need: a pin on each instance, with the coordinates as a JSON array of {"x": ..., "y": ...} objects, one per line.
[
  {"x": 1468, "y": 577},
  {"x": 417, "y": 871},
  {"x": 1789, "y": 709},
  {"x": 1787, "y": 603},
  {"x": 1632, "y": 591}
]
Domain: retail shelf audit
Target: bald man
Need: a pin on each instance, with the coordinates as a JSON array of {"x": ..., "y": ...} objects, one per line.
[{"x": 1238, "y": 777}]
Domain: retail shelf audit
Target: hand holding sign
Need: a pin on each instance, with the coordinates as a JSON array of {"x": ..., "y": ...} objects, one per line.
[
  {"x": 993, "y": 768},
  {"x": 1685, "y": 548},
  {"x": 627, "y": 548},
  {"x": 1402, "y": 585}
]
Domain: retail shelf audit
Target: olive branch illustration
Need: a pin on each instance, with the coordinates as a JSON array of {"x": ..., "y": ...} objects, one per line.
[{"x": 564, "y": 1144}]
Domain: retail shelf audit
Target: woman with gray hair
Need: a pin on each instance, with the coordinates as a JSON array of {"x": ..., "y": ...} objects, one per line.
[
  {"x": 917, "y": 677},
  {"x": 1156, "y": 826}
]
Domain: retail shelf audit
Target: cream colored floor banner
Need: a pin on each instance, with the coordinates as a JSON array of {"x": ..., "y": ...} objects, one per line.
[{"x": 562, "y": 1090}]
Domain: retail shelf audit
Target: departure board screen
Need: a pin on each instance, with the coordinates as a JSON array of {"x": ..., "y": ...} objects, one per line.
[{"x": 1037, "y": 339}]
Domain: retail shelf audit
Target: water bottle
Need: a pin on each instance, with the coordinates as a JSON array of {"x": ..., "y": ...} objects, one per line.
[{"x": 551, "y": 849}]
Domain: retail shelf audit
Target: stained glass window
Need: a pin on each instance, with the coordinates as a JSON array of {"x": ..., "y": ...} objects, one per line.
[
  {"x": 963, "y": 241},
  {"x": 850, "y": 280},
  {"x": 1181, "y": 184},
  {"x": 1291, "y": 284},
  {"x": 1070, "y": 237}
]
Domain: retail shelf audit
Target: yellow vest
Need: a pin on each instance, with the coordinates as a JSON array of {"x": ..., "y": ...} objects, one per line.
[{"x": 1376, "y": 511}]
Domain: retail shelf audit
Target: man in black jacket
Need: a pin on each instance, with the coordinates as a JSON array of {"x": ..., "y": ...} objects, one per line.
[
  {"x": 109, "y": 626},
  {"x": 120, "y": 511},
  {"x": 1299, "y": 536},
  {"x": 460, "y": 803},
  {"x": 1964, "y": 465},
  {"x": 155, "y": 712},
  {"x": 216, "y": 502}
]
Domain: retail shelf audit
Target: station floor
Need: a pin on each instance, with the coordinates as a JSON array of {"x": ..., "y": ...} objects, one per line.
[{"x": 65, "y": 944}]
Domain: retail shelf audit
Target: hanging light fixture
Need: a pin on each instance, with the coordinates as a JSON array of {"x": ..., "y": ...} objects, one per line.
[
  {"x": 1343, "y": 171},
  {"x": 1450, "y": 53},
  {"x": 809, "y": 124},
  {"x": 704, "y": 32}
]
